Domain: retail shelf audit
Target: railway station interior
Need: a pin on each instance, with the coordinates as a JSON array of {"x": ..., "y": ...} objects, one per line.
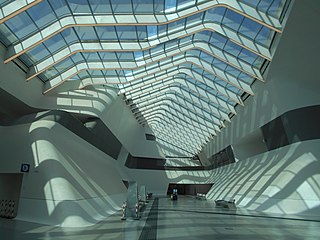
[{"x": 159, "y": 119}]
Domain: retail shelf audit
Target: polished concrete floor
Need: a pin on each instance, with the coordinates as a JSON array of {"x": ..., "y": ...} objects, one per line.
[{"x": 162, "y": 218}]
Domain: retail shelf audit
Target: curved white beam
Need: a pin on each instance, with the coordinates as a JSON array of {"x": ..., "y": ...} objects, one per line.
[
  {"x": 180, "y": 134},
  {"x": 148, "y": 70},
  {"x": 204, "y": 94},
  {"x": 183, "y": 105},
  {"x": 179, "y": 139},
  {"x": 161, "y": 76},
  {"x": 209, "y": 48},
  {"x": 178, "y": 128},
  {"x": 173, "y": 73},
  {"x": 181, "y": 111},
  {"x": 177, "y": 145},
  {"x": 21, "y": 47},
  {"x": 195, "y": 126},
  {"x": 162, "y": 120},
  {"x": 197, "y": 101}
]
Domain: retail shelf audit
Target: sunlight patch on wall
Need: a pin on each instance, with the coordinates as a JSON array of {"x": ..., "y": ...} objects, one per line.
[
  {"x": 42, "y": 150},
  {"x": 186, "y": 176}
]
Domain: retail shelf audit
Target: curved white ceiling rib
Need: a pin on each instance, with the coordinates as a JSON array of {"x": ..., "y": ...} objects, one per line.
[
  {"x": 182, "y": 68},
  {"x": 165, "y": 74},
  {"x": 211, "y": 92},
  {"x": 183, "y": 104},
  {"x": 193, "y": 98},
  {"x": 133, "y": 19},
  {"x": 208, "y": 48},
  {"x": 150, "y": 69},
  {"x": 167, "y": 120},
  {"x": 114, "y": 46},
  {"x": 179, "y": 119},
  {"x": 181, "y": 133},
  {"x": 206, "y": 102}
]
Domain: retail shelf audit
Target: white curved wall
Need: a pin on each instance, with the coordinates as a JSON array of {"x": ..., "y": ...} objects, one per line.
[
  {"x": 104, "y": 104},
  {"x": 282, "y": 181},
  {"x": 71, "y": 183}
]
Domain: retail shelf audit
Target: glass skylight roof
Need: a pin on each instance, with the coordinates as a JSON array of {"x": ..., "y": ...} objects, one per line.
[{"x": 183, "y": 65}]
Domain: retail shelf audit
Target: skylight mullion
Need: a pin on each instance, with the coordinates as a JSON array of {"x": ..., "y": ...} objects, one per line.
[
  {"x": 177, "y": 143},
  {"x": 166, "y": 144},
  {"x": 172, "y": 71},
  {"x": 215, "y": 121},
  {"x": 185, "y": 82},
  {"x": 217, "y": 115},
  {"x": 212, "y": 108},
  {"x": 183, "y": 119},
  {"x": 168, "y": 120},
  {"x": 180, "y": 137},
  {"x": 178, "y": 128}
]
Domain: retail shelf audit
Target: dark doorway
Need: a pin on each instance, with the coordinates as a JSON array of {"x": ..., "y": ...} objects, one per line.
[
  {"x": 10, "y": 186},
  {"x": 189, "y": 189},
  {"x": 126, "y": 183}
]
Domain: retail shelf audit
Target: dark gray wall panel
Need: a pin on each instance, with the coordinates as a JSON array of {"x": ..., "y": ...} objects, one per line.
[
  {"x": 224, "y": 158},
  {"x": 77, "y": 127},
  {"x": 293, "y": 126},
  {"x": 106, "y": 137}
]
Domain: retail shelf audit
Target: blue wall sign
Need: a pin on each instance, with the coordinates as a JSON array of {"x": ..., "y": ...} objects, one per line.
[{"x": 25, "y": 167}]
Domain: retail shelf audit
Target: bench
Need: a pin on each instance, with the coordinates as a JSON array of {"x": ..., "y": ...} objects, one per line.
[
  {"x": 226, "y": 203},
  {"x": 201, "y": 196}
]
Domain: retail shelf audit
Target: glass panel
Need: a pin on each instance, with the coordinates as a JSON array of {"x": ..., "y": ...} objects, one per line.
[
  {"x": 185, "y": 3},
  {"x": 232, "y": 48},
  {"x": 6, "y": 35},
  {"x": 250, "y": 28},
  {"x": 92, "y": 56},
  {"x": 21, "y": 25},
  {"x": 159, "y": 5},
  {"x": 42, "y": 14},
  {"x": 264, "y": 5},
  {"x": 248, "y": 56},
  {"x": 152, "y": 31},
  {"x": 4, "y": 2},
  {"x": 70, "y": 35},
  {"x": 79, "y": 6},
  {"x": 276, "y": 8},
  {"x": 232, "y": 20},
  {"x": 142, "y": 6},
  {"x": 170, "y": 5},
  {"x": 265, "y": 36},
  {"x": 87, "y": 33},
  {"x": 100, "y": 6},
  {"x": 55, "y": 43},
  {"x": 60, "y": 7},
  {"x": 138, "y": 55},
  {"x": 215, "y": 14},
  {"x": 121, "y": 6},
  {"x": 38, "y": 53}
]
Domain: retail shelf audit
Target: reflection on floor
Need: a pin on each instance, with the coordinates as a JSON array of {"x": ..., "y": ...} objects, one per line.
[{"x": 186, "y": 218}]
